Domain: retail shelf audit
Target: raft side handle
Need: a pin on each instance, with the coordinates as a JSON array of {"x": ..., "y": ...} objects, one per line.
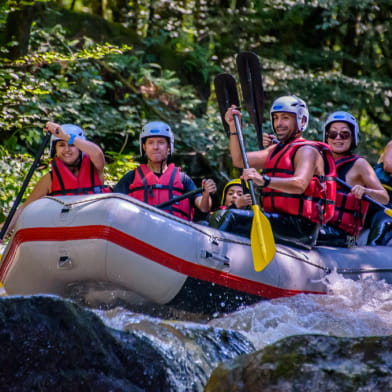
[
  {"x": 214, "y": 241},
  {"x": 65, "y": 262},
  {"x": 205, "y": 254}
]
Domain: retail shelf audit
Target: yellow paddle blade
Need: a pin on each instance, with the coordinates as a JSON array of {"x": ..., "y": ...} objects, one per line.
[
  {"x": 388, "y": 211},
  {"x": 261, "y": 240}
]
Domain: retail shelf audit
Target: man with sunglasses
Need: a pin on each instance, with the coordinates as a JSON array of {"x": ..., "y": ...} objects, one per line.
[
  {"x": 297, "y": 181},
  {"x": 341, "y": 133}
]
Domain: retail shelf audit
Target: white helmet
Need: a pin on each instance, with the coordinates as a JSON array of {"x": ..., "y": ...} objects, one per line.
[
  {"x": 291, "y": 104},
  {"x": 156, "y": 129},
  {"x": 70, "y": 129},
  {"x": 345, "y": 117}
]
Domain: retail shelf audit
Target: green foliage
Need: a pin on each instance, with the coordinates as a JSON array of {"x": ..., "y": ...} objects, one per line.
[
  {"x": 13, "y": 171},
  {"x": 106, "y": 89},
  {"x": 118, "y": 166}
]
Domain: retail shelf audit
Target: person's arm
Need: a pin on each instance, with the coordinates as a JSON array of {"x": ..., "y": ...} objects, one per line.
[
  {"x": 123, "y": 185},
  {"x": 364, "y": 181},
  {"x": 305, "y": 163},
  {"x": 256, "y": 159},
  {"x": 204, "y": 202},
  {"x": 41, "y": 189},
  {"x": 91, "y": 149},
  {"x": 387, "y": 159}
]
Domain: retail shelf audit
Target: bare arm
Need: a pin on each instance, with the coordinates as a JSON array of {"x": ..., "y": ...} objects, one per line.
[
  {"x": 387, "y": 158},
  {"x": 41, "y": 189},
  {"x": 306, "y": 163},
  {"x": 91, "y": 149},
  {"x": 364, "y": 181},
  {"x": 204, "y": 202}
]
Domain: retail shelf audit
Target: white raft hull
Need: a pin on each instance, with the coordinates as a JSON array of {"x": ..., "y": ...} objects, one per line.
[{"x": 115, "y": 239}]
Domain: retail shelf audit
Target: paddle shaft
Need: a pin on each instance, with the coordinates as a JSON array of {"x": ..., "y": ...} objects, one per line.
[
  {"x": 179, "y": 198},
  {"x": 364, "y": 197},
  {"x": 24, "y": 185},
  {"x": 244, "y": 157}
]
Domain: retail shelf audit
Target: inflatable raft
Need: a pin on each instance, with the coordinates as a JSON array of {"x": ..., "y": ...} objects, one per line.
[{"x": 115, "y": 241}]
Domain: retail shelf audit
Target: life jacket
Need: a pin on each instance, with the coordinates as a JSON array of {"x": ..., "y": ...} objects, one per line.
[
  {"x": 350, "y": 212},
  {"x": 64, "y": 182},
  {"x": 153, "y": 190},
  {"x": 384, "y": 177},
  {"x": 317, "y": 203}
]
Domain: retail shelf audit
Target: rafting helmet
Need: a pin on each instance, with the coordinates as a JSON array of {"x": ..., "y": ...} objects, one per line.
[
  {"x": 291, "y": 104},
  {"x": 156, "y": 129},
  {"x": 231, "y": 183},
  {"x": 345, "y": 117},
  {"x": 70, "y": 129}
]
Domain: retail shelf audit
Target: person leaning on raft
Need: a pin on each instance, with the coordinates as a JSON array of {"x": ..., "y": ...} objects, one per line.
[
  {"x": 297, "y": 180},
  {"x": 341, "y": 132},
  {"x": 235, "y": 196},
  {"x": 77, "y": 167},
  {"x": 158, "y": 181}
]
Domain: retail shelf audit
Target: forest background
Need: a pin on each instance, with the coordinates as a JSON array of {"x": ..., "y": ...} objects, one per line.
[{"x": 112, "y": 65}]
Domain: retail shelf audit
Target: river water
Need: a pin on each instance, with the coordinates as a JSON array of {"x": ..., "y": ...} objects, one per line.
[{"x": 350, "y": 309}]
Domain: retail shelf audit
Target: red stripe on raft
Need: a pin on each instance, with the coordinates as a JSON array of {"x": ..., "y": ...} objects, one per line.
[{"x": 144, "y": 249}]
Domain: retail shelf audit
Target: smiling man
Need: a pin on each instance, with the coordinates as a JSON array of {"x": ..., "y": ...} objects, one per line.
[
  {"x": 158, "y": 181},
  {"x": 297, "y": 185}
]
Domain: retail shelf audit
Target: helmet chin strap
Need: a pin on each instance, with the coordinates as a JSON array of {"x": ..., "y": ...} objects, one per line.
[
  {"x": 161, "y": 163},
  {"x": 163, "y": 160}
]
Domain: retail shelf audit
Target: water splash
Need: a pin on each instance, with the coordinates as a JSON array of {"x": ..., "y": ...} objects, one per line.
[{"x": 350, "y": 309}]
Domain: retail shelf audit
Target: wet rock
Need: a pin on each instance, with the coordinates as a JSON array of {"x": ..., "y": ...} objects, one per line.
[
  {"x": 310, "y": 363},
  {"x": 51, "y": 344}
]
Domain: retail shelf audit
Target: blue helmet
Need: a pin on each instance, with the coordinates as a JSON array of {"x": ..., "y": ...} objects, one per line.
[
  {"x": 70, "y": 129},
  {"x": 291, "y": 104},
  {"x": 345, "y": 117},
  {"x": 156, "y": 129}
]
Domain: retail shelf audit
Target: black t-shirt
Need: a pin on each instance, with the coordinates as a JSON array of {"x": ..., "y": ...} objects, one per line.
[{"x": 123, "y": 185}]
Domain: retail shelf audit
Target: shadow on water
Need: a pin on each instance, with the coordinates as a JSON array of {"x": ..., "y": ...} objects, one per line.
[{"x": 197, "y": 301}]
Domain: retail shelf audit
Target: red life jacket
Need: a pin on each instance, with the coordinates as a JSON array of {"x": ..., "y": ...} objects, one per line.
[
  {"x": 154, "y": 190},
  {"x": 317, "y": 203},
  {"x": 64, "y": 182},
  {"x": 350, "y": 212}
]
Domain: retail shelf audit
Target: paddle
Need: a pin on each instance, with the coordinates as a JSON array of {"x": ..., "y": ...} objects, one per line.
[
  {"x": 24, "y": 185},
  {"x": 179, "y": 198},
  {"x": 261, "y": 238},
  {"x": 388, "y": 211},
  {"x": 249, "y": 72}
]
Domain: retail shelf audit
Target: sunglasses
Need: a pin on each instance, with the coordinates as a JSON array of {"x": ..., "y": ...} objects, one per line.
[{"x": 344, "y": 135}]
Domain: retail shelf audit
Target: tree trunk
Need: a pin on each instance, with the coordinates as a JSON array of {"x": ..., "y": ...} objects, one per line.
[{"x": 18, "y": 29}]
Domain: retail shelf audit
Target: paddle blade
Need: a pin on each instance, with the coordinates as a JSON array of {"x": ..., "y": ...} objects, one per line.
[
  {"x": 261, "y": 240},
  {"x": 249, "y": 72},
  {"x": 226, "y": 94},
  {"x": 388, "y": 211}
]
